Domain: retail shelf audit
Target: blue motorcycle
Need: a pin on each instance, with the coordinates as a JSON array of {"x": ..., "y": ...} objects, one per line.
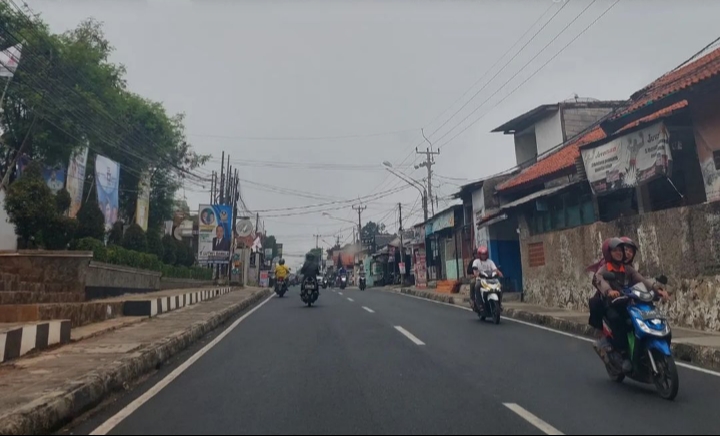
[{"x": 649, "y": 342}]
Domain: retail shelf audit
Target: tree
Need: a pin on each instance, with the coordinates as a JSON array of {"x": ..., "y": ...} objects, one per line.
[
  {"x": 63, "y": 201},
  {"x": 30, "y": 204},
  {"x": 317, "y": 252},
  {"x": 91, "y": 222},
  {"x": 66, "y": 93},
  {"x": 135, "y": 239},
  {"x": 271, "y": 242}
]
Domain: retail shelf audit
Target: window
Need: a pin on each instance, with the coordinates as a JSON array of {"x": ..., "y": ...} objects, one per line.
[{"x": 536, "y": 254}]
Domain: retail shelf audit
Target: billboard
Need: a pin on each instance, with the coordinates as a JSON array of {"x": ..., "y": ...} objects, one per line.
[
  {"x": 76, "y": 180},
  {"x": 107, "y": 180},
  {"x": 629, "y": 160},
  {"x": 214, "y": 234},
  {"x": 142, "y": 210}
]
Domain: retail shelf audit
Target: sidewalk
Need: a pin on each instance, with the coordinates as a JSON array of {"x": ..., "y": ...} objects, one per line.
[
  {"x": 691, "y": 346},
  {"x": 37, "y": 394}
]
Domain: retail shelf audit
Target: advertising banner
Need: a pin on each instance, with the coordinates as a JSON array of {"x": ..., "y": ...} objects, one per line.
[
  {"x": 54, "y": 177},
  {"x": 142, "y": 210},
  {"x": 76, "y": 180},
  {"x": 629, "y": 160},
  {"x": 107, "y": 180},
  {"x": 706, "y": 123},
  {"x": 214, "y": 234}
]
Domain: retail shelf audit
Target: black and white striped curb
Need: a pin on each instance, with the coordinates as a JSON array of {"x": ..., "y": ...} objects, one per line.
[
  {"x": 20, "y": 340},
  {"x": 157, "y": 306}
]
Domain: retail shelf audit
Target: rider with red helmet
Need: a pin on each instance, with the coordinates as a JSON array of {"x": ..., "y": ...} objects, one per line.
[{"x": 483, "y": 263}]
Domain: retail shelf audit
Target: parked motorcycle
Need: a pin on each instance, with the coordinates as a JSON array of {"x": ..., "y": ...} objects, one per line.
[
  {"x": 362, "y": 283},
  {"x": 649, "y": 342},
  {"x": 489, "y": 302},
  {"x": 281, "y": 287},
  {"x": 309, "y": 291}
]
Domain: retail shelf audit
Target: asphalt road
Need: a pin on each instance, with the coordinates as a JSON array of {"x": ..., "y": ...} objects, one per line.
[{"x": 378, "y": 363}]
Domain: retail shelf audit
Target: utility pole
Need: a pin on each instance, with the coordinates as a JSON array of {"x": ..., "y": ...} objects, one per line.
[
  {"x": 429, "y": 162},
  {"x": 402, "y": 247},
  {"x": 359, "y": 208},
  {"x": 222, "y": 179}
]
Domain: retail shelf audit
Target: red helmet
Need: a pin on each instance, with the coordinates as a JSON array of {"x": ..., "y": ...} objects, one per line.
[
  {"x": 608, "y": 246},
  {"x": 483, "y": 253}
]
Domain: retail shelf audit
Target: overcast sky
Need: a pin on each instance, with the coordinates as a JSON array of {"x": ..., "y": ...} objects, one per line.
[{"x": 258, "y": 78}]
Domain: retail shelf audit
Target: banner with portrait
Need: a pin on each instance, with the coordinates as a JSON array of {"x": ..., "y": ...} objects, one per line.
[
  {"x": 107, "y": 180},
  {"x": 214, "y": 234}
]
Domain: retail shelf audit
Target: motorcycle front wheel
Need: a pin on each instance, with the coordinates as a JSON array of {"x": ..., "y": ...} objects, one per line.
[
  {"x": 495, "y": 310},
  {"x": 667, "y": 380}
]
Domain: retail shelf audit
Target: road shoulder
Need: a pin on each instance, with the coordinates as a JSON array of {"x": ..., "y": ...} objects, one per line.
[{"x": 43, "y": 393}]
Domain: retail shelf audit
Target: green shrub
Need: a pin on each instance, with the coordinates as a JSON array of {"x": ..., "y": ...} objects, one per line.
[
  {"x": 135, "y": 239},
  {"x": 154, "y": 242},
  {"x": 30, "y": 204},
  {"x": 91, "y": 222},
  {"x": 169, "y": 250},
  {"x": 115, "y": 237},
  {"x": 63, "y": 201},
  {"x": 100, "y": 251},
  {"x": 117, "y": 255},
  {"x": 58, "y": 232}
]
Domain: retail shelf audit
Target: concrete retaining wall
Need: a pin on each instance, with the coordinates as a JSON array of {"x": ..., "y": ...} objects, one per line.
[{"x": 682, "y": 243}]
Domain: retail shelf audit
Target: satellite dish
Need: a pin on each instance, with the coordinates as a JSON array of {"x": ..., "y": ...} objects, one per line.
[{"x": 244, "y": 229}]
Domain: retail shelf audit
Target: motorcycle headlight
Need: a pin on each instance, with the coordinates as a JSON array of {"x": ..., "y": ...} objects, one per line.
[{"x": 642, "y": 325}]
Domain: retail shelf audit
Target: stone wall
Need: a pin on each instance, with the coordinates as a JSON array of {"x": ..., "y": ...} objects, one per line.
[
  {"x": 105, "y": 280},
  {"x": 682, "y": 243},
  {"x": 44, "y": 271}
]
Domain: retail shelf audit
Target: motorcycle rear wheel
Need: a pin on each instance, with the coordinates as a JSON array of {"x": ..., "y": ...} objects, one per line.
[{"x": 667, "y": 381}]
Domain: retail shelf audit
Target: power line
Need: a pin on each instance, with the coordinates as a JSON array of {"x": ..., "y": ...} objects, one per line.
[
  {"x": 304, "y": 138},
  {"x": 532, "y": 75}
]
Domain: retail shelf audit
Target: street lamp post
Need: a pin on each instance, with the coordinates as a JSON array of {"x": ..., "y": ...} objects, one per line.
[{"x": 412, "y": 182}]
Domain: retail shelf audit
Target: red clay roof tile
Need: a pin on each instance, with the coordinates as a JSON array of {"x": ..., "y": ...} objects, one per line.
[
  {"x": 555, "y": 163},
  {"x": 691, "y": 74}
]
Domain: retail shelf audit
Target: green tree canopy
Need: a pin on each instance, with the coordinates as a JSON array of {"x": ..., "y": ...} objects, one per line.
[{"x": 66, "y": 94}]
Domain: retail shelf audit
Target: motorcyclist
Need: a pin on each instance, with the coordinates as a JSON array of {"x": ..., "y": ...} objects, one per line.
[
  {"x": 281, "y": 271},
  {"x": 311, "y": 268},
  {"x": 483, "y": 263},
  {"x": 625, "y": 276}
]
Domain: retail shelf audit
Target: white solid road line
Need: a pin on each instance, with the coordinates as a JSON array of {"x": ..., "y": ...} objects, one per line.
[
  {"x": 557, "y": 332},
  {"x": 534, "y": 420},
  {"x": 409, "y": 335},
  {"x": 367, "y": 309},
  {"x": 351, "y": 300},
  {"x": 113, "y": 422}
]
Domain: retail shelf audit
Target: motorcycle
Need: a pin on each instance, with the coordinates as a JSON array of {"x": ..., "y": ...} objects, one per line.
[
  {"x": 490, "y": 298},
  {"x": 309, "y": 291},
  {"x": 343, "y": 282},
  {"x": 363, "y": 283},
  {"x": 281, "y": 287},
  {"x": 649, "y": 342}
]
